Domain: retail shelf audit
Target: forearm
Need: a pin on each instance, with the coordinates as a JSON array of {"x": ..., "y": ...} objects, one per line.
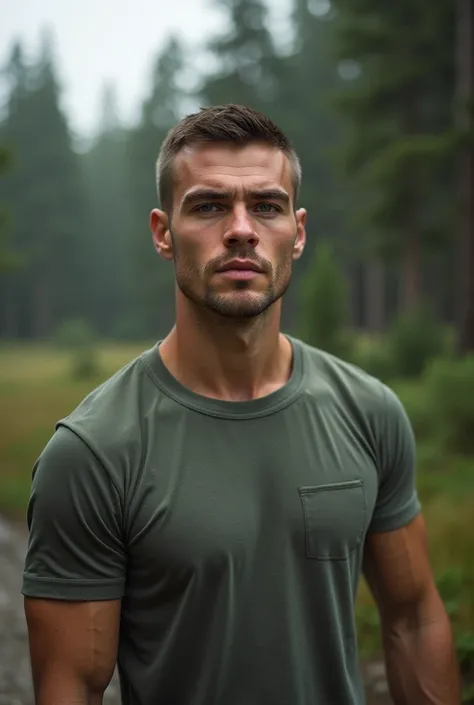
[
  {"x": 54, "y": 696},
  {"x": 61, "y": 689},
  {"x": 421, "y": 663}
]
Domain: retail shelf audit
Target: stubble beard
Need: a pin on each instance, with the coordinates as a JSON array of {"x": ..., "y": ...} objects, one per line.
[{"x": 242, "y": 303}]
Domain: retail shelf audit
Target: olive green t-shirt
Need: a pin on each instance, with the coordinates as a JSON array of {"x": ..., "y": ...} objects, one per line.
[{"x": 233, "y": 532}]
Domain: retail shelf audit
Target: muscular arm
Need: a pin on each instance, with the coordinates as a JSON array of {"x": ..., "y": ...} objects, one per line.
[
  {"x": 75, "y": 573},
  {"x": 73, "y": 647},
  {"x": 416, "y": 634}
]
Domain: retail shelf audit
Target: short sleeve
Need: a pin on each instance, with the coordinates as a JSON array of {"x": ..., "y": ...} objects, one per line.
[
  {"x": 397, "y": 501},
  {"x": 75, "y": 548}
]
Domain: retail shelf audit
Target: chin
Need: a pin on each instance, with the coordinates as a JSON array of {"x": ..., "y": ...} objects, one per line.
[{"x": 237, "y": 307}]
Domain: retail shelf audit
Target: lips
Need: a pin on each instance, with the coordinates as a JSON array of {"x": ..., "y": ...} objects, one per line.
[{"x": 240, "y": 265}]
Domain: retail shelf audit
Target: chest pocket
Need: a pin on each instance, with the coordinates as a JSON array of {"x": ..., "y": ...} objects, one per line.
[{"x": 334, "y": 518}]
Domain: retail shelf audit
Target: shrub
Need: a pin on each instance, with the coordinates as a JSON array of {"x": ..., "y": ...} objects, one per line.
[
  {"x": 77, "y": 338},
  {"x": 450, "y": 388},
  {"x": 324, "y": 304},
  {"x": 414, "y": 340},
  {"x": 74, "y": 334},
  {"x": 415, "y": 399},
  {"x": 375, "y": 358}
]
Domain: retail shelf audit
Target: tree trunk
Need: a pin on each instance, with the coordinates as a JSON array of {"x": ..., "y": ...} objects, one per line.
[
  {"x": 411, "y": 272},
  {"x": 465, "y": 42},
  {"x": 42, "y": 306},
  {"x": 375, "y": 296},
  {"x": 412, "y": 249}
]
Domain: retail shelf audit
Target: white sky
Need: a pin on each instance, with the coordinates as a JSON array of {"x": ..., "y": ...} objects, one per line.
[{"x": 108, "y": 40}]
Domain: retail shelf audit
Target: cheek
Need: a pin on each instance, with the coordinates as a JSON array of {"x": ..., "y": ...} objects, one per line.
[{"x": 284, "y": 248}]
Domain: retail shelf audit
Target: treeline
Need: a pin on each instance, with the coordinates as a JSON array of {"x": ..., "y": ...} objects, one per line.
[{"x": 368, "y": 91}]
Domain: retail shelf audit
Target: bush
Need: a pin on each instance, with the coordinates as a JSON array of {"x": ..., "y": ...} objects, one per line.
[
  {"x": 324, "y": 305},
  {"x": 74, "y": 334},
  {"x": 85, "y": 364},
  {"x": 415, "y": 399},
  {"x": 375, "y": 358},
  {"x": 414, "y": 340},
  {"x": 77, "y": 337},
  {"x": 450, "y": 388}
]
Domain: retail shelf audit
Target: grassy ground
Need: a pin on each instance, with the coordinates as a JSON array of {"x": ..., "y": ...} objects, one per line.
[{"x": 36, "y": 389}]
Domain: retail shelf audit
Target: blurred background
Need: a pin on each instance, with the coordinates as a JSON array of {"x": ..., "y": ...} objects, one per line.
[{"x": 377, "y": 99}]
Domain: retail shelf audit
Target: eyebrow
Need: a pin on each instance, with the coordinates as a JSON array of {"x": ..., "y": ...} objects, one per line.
[{"x": 202, "y": 194}]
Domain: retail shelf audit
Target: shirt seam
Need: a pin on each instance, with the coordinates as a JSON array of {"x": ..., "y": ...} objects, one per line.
[
  {"x": 73, "y": 581},
  {"x": 284, "y": 403},
  {"x": 66, "y": 423}
]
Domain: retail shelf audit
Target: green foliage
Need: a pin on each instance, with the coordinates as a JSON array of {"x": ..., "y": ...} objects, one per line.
[
  {"x": 43, "y": 192},
  {"x": 418, "y": 408},
  {"x": 74, "y": 334},
  {"x": 441, "y": 406},
  {"x": 324, "y": 304},
  {"x": 453, "y": 585},
  {"x": 450, "y": 389},
  {"x": 374, "y": 357},
  {"x": 245, "y": 57},
  {"x": 107, "y": 237},
  {"x": 368, "y": 629},
  {"x": 399, "y": 143},
  {"x": 152, "y": 290},
  {"x": 8, "y": 261},
  {"x": 414, "y": 339},
  {"x": 77, "y": 337}
]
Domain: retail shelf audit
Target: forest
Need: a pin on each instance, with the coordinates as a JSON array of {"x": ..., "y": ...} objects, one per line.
[
  {"x": 376, "y": 104},
  {"x": 377, "y": 99}
]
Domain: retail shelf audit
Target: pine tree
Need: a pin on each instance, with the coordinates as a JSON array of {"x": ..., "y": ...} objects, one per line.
[
  {"x": 244, "y": 57},
  {"x": 109, "y": 232},
  {"x": 465, "y": 121},
  {"x": 399, "y": 145},
  {"x": 152, "y": 286},
  {"x": 7, "y": 259},
  {"x": 43, "y": 194}
]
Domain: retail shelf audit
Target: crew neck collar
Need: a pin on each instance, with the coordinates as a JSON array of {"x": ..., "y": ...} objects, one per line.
[{"x": 261, "y": 406}]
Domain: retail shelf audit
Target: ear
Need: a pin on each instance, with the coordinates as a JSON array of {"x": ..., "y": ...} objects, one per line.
[
  {"x": 159, "y": 225},
  {"x": 300, "y": 240}
]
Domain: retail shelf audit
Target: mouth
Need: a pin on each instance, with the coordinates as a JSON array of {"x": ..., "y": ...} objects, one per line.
[{"x": 242, "y": 266}]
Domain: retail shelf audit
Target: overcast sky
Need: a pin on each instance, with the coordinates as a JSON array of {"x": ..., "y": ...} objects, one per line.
[{"x": 108, "y": 40}]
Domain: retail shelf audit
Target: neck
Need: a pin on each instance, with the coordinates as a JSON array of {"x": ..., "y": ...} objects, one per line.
[{"x": 227, "y": 359}]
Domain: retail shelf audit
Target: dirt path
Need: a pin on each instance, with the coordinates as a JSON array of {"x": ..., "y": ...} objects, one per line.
[{"x": 15, "y": 678}]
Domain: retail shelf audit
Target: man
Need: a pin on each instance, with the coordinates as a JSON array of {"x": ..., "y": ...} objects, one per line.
[{"x": 204, "y": 515}]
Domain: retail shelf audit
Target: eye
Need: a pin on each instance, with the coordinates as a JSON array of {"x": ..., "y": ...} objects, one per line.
[
  {"x": 207, "y": 208},
  {"x": 267, "y": 208}
]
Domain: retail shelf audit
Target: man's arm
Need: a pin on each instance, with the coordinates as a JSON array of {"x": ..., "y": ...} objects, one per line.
[
  {"x": 75, "y": 573},
  {"x": 73, "y": 649},
  {"x": 416, "y": 633}
]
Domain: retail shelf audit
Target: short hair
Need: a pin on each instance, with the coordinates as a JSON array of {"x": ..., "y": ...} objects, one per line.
[{"x": 238, "y": 124}]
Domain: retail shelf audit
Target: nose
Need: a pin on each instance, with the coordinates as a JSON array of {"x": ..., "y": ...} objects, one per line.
[{"x": 240, "y": 229}]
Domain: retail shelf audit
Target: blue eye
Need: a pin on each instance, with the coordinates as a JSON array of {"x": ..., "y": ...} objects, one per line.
[
  {"x": 267, "y": 208},
  {"x": 207, "y": 208}
]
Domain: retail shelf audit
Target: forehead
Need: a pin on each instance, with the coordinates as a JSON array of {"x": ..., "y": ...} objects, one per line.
[{"x": 222, "y": 165}]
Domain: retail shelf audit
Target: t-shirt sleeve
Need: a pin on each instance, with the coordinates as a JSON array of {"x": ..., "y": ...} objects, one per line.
[
  {"x": 397, "y": 501},
  {"x": 75, "y": 547}
]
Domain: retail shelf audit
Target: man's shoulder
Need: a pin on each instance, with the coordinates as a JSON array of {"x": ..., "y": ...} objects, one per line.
[
  {"x": 342, "y": 376},
  {"x": 112, "y": 413},
  {"x": 372, "y": 405}
]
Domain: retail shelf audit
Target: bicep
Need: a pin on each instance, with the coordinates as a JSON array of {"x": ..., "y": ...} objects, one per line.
[
  {"x": 398, "y": 571},
  {"x": 73, "y": 648}
]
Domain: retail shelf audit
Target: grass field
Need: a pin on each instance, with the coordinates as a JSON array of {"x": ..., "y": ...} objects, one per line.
[{"x": 36, "y": 389}]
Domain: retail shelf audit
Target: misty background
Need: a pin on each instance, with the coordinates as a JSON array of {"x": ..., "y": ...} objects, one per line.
[{"x": 377, "y": 99}]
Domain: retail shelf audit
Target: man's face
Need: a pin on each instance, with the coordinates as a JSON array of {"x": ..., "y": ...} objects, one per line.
[{"x": 232, "y": 232}]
